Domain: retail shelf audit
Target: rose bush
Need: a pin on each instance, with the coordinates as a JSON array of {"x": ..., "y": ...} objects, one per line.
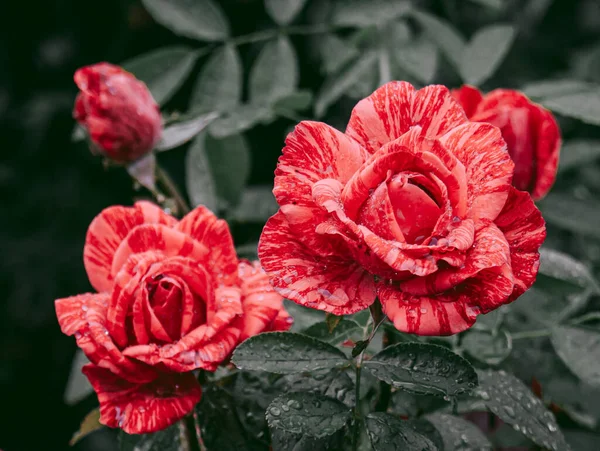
[
  {"x": 530, "y": 131},
  {"x": 118, "y": 112},
  {"x": 172, "y": 298},
  {"x": 413, "y": 204}
]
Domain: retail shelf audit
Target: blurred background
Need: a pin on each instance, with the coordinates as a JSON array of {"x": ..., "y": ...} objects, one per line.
[{"x": 51, "y": 188}]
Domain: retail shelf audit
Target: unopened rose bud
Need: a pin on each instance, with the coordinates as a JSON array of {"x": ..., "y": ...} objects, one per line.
[{"x": 118, "y": 112}]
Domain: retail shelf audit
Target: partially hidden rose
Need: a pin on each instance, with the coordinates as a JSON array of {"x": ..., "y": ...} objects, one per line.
[
  {"x": 118, "y": 112},
  {"x": 530, "y": 131},
  {"x": 413, "y": 204},
  {"x": 172, "y": 298}
]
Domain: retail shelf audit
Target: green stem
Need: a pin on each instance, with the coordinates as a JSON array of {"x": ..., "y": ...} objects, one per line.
[
  {"x": 584, "y": 318},
  {"x": 531, "y": 334},
  {"x": 189, "y": 426},
  {"x": 164, "y": 178},
  {"x": 356, "y": 426},
  {"x": 308, "y": 29},
  {"x": 265, "y": 35},
  {"x": 258, "y": 36},
  {"x": 378, "y": 319}
]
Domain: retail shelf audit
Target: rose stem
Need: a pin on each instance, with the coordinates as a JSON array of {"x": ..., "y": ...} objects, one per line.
[
  {"x": 169, "y": 185},
  {"x": 378, "y": 318}
]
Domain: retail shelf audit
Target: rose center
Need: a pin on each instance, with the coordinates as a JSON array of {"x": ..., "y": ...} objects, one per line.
[
  {"x": 166, "y": 304},
  {"x": 415, "y": 210}
]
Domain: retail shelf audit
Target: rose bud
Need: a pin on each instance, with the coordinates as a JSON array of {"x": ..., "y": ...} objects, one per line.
[
  {"x": 530, "y": 131},
  {"x": 117, "y": 110}
]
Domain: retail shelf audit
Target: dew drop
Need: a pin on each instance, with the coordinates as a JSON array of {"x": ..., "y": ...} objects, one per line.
[
  {"x": 552, "y": 427},
  {"x": 509, "y": 411},
  {"x": 484, "y": 395},
  {"x": 275, "y": 411}
]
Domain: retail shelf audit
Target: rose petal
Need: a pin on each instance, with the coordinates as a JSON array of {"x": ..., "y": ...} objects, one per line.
[
  {"x": 199, "y": 350},
  {"x": 532, "y": 135},
  {"x": 425, "y": 315},
  {"x": 85, "y": 317},
  {"x": 335, "y": 285},
  {"x": 202, "y": 225},
  {"x": 469, "y": 97},
  {"x": 107, "y": 231},
  {"x": 262, "y": 305},
  {"x": 158, "y": 237},
  {"x": 313, "y": 151},
  {"x": 524, "y": 228},
  {"x": 143, "y": 408},
  {"x": 449, "y": 300},
  {"x": 395, "y": 107},
  {"x": 488, "y": 166},
  {"x": 412, "y": 152}
]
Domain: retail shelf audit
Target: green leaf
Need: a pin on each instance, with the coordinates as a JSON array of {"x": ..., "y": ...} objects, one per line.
[
  {"x": 553, "y": 88},
  {"x": 445, "y": 36},
  {"x": 342, "y": 332},
  {"x": 423, "y": 368},
  {"x": 197, "y": 19},
  {"x": 78, "y": 386},
  {"x": 388, "y": 433},
  {"x": 229, "y": 160},
  {"x": 284, "y": 11},
  {"x": 304, "y": 317},
  {"x": 459, "y": 434},
  {"x": 335, "y": 52},
  {"x": 78, "y": 133},
  {"x": 487, "y": 347},
  {"x": 335, "y": 384},
  {"x": 579, "y": 349},
  {"x": 286, "y": 353},
  {"x": 564, "y": 267},
  {"x": 336, "y": 85},
  {"x": 219, "y": 85},
  {"x": 181, "y": 132},
  {"x": 274, "y": 73},
  {"x": 90, "y": 423},
  {"x": 419, "y": 59},
  {"x": 428, "y": 430},
  {"x": 307, "y": 414},
  {"x": 332, "y": 321},
  {"x": 484, "y": 53},
  {"x": 363, "y": 13},
  {"x": 296, "y": 101},
  {"x": 359, "y": 347},
  {"x": 170, "y": 439},
  {"x": 577, "y": 153},
  {"x": 511, "y": 400},
  {"x": 257, "y": 204},
  {"x": 583, "y": 106},
  {"x": 163, "y": 70},
  {"x": 240, "y": 119},
  {"x": 494, "y": 4},
  {"x": 284, "y": 441},
  {"x": 220, "y": 424},
  {"x": 199, "y": 180},
  {"x": 143, "y": 170},
  {"x": 579, "y": 216}
]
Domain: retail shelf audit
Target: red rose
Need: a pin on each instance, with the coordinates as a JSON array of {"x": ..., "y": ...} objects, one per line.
[
  {"x": 168, "y": 301},
  {"x": 263, "y": 307},
  {"x": 530, "y": 131},
  {"x": 118, "y": 111},
  {"x": 412, "y": 204}
]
